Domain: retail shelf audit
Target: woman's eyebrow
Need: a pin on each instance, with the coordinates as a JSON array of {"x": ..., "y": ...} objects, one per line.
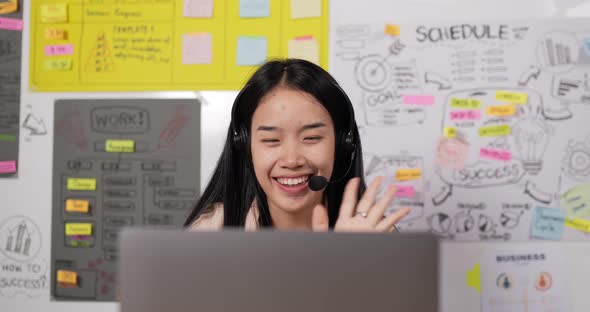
[
  {"x": 314, "y": 125},
  {"x": 266, "y": 128}
]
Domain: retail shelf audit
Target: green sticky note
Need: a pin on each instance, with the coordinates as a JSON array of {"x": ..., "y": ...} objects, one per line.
[
  {"x": 7, "y": 137},
  {"x": 81, "y": 184},
  {"x": 512, "y": 97},
  {"x": 120, "y": 146},
  {"x": 473, "y": 278},
  {"x": 465, "y": 103},
  {"x": 577, "y": 201},
  {"x": 493, "y": 131}
]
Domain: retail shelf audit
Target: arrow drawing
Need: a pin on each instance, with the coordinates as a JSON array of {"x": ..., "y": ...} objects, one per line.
[
  {"x": 443, "y": 83},
  {"x": 35, "y": 125},
  {"x": 527, "y": 75}
]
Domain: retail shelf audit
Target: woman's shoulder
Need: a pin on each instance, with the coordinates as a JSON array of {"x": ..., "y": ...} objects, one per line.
[{"x": 211, "y": 219}]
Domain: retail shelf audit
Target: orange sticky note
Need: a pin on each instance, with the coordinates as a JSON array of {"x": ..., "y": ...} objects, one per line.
[
  {"x": 408, "y": 174},
  {"x": 9, "y": 7},
  {"x": 67, "y": 277},
  {"x": 56, "y": 33},
  {"x": 392, "y": 30},
  {"x": 78, "y": 205}
]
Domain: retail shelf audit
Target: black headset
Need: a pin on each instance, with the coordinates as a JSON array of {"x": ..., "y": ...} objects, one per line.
[{"x": 346, "y": 140}]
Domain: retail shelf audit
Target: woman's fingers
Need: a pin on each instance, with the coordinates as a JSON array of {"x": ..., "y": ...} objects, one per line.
[
  {"x": 376, "y": 213},
  {"x": 368, "y": 198},
  {"x": 388, "y": 223},
  {"x": 350, "y": 197}
]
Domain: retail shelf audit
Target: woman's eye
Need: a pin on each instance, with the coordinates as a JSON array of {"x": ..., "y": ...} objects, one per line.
[
  {"x": 270, "y": 140},
  {"x": 313, "y": 138}
]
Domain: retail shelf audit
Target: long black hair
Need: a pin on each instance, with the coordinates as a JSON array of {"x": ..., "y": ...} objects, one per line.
[{"x": 234, "y": 183}]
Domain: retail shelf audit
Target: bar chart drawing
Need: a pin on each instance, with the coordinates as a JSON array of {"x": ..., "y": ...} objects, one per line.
[
  {"x": 558, "y": 52},
  {"x": 20, "y": 238}
]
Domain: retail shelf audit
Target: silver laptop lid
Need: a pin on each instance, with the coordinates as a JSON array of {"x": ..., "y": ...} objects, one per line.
[{"x": 277, "y": 271}]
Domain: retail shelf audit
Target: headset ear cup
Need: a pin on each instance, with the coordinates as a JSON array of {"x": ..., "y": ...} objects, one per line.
[
  {"x": 348, "y": 142},
  {"x": 240, "y": 139}
]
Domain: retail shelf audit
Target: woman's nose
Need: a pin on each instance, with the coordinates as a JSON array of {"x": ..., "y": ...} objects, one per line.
[{"x": 291, "y": 156}]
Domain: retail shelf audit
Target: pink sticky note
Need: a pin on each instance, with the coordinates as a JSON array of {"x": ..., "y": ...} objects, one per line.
[
  {"x": 405, "y": 191},
  {"x": 198, "y": 8},
  {"x": 8, "y": 166},
  {"x": 59, "y": 49},
  {"x": 465, "y": 115},
  {"x": 419, "y": 99},
  {"x": 495, "y": 154},
  {"x": 451, "y": 153},
  {"x": 197, "y": 48},
  {"x": 11, "y": 24}
]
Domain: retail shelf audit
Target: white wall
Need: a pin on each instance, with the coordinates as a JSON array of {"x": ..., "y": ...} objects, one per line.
[{"x": 30, "y": 193}]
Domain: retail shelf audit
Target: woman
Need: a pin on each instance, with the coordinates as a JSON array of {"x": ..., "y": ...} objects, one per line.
[{"x": 292, "y": 125}]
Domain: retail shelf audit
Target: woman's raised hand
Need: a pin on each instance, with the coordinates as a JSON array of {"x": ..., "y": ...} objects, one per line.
[{"x": 366, "y": 215}]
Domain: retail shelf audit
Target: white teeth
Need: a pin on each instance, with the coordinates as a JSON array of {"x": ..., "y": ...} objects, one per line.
[{"x": 292, "y": 181}]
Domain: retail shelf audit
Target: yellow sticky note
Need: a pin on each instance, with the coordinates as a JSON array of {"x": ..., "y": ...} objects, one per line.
[
  {"x": 78, "y": 229},
  {"x": 392, "y": 30},
  {"x": 54, "y": 13},
  {"x": 501, "y": 110},
  {"x": 9, "y": 7},
  {"x": 493, "y": 131},
  {"x": 578, "y": 224},
  {"x": 58, "y": 64},
  {"x": 305, "y": 48},
  {"x": 120, "y": 146},
  {"x": 306, "y": 8},
  {"x": 474, "y": 278},
  {"x": 56, "y": 34},
  {"x": 512, "y": 97},
  {"x": 77, "y": 205},
  {"x": 81, "y": 184},
  {"x": 67, "y": 277},
  {"x": 465, "y": 103},
  {"x": 408, "y": 174},
  {"x": 449, "y": 132}
]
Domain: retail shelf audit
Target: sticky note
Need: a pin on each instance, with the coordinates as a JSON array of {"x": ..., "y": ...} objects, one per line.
[
  {"x": 11, "y": 24},
  {"x": 577, "y": 201},
  {"x": 512, "y": 97},
  {"x": 408, "y": 174},
  {"x": 9, "y": 7},
  {"x": 197, "y": 48},
  {"x": 56, "y": 34},
  {"x": 198, "y": 8},
  {"x": 392, "y": 30},
  {"x": 493, "y": 131},
  {"x": 67, "y": 277},
  {"x": 305, "y": 48},
  {"x": 54, "y": 13},
  {"x": 7, "y": 137},
  {"x": 501, "y": 110},
  {"x": 547, "y": 223},
  {"x": 405, "y": 191},
  {"x": 459, "y": 115},
  {"x": 61, "y": 64},
  {"x": 578, "y": 224},
  {"x": 120, "y": 146},
  {"x": 8, "y": 166},
  {"x": 449, "y": 132},
  {"x": 77, "y": 205},
  {"x": 306, "y": 8},
  {"x": 81, "y": 184},
  {"x": 78, "y": 229},
  {"x": 465, "y": 103},
  {"x": 254, "y": 8},
  {"x": 426, "y": 100},
  {"x": 59, "y": 49},
  {"x": 473, "y": 278},
  {"x": 495, "y": 154},
  {"x": 451, "y": 153},
  {"x": 251, "y": 50}
]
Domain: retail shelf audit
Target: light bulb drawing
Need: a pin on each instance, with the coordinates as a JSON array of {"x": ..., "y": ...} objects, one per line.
[{"x": 531, "y": 135}]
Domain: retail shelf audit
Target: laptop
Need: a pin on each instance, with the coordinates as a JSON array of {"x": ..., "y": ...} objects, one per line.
[{"x": 168, "y": 270}]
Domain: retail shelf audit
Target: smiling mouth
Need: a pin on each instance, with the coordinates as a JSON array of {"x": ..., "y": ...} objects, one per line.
[{"x": 293, "y": 181}]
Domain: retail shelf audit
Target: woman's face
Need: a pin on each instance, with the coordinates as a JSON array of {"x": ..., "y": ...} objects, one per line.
[{"x": 292, "y": 139}]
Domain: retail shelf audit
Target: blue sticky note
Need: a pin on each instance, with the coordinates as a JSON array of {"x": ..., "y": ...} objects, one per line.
[
  {"x": 587, "y": 46},
  {"x": 547, "y": 223},
  {"x": 254, "y": 8},
  {"x": 251, "y": 50}
]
